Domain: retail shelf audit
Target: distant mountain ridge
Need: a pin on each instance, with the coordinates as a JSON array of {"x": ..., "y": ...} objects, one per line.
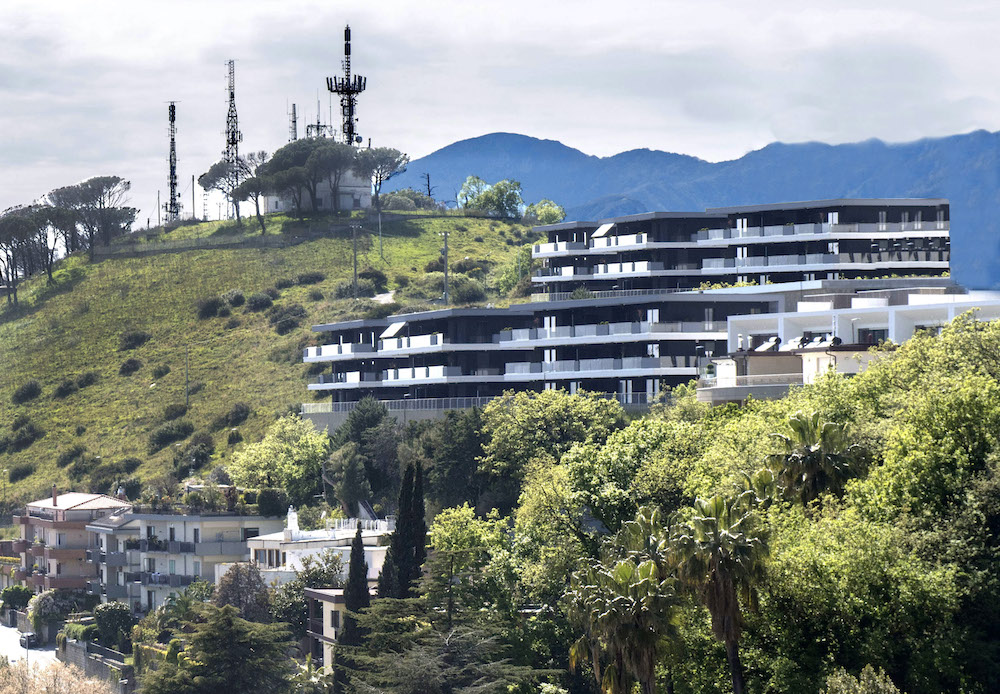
[{"x": 963, "y": 168}]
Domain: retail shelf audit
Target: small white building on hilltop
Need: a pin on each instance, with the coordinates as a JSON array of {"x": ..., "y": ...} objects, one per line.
[
  {"x": 353, "y": 193},
  {"x": 280, "y": 555}
]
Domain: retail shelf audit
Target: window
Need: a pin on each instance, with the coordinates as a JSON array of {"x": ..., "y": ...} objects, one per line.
[
  {"x": 60, "y": 539},
  {"x": 197, "y": 568},
  {"x": 283, "y": 560},
  {"x": 150, "y": 565},
  {"x": 250, "y": 532},
  {"x": 172, "y": 567},
  {"x": 258, "y": 556},
  {"x": 335, "y": 619},
  {"x": 150, "y": 531},
  {"x": 173, "y": 533},
  {"x": 197, "y": 535}
]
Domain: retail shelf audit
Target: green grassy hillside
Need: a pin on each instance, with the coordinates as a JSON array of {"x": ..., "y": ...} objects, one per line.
[{"x": 76, "y": 326}]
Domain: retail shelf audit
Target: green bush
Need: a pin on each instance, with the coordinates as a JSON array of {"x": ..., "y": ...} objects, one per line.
[
  {"x": 65, "y": 388},
  {"x": 209, "y": 308},
  {"x": 80, "y": 430},
  {"x": 284, "y": 283},
  {"x": 24, "y": 436},
  {"x": 129, "y": 367},
  {"x": 234, "y": 297},
  {"x": 169, "y": 433},
  {"x": 26, "y": 391},
  {"x": 16, "y": 597},
  {"x": 130, "y": 465},
  {"x": 232, "y": 323},
  {"x": 345, "y": 290},
  {"x": 88, "y": 378},
  {"x": 464, "y": 290},
  {"x": 310, "y": 278},
  {"x": 286, "y": 318},
  {"x": 377, "y": 277},
  {"x": 315, "y": 295},
  {"x": 69, "y": 455},
  {"x": 133, "y": 339},
  {"x": 160, "y": 370},
  {"x": 113, "y": 620},
  {"x": 234, "y": 437},
  {"x": 272, "y": 502},
  {"x": 224, "y": 311},
  {"x": 20, "y": 471},
  {"x": 174, "y": 411},
  {"x": 259, "y": 301},
  {"x": 273, "y": 293},
  {"x": 81, "y": 632}
]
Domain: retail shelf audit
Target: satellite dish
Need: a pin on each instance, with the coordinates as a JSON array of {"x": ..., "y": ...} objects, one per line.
[{"x": 359, "y": 139}]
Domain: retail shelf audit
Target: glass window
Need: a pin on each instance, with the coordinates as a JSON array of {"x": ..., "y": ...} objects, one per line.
[
  {"x": 197, "y": 568},
  {"x": 197, "y": 535},
  {"x": 335, "y": 619},
  {"x": 172, "y": 567}
]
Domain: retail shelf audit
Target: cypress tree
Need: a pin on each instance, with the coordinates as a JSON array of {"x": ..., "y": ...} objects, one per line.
[
  {"x": 356, "y": 596},
  {"x": 402, "y": 538},
  {"x": 419, "y": 532},
  {"x": 388, "y": 577}
]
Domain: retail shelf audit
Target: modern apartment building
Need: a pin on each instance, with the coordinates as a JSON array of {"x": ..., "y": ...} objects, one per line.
[
  {"x": 770, "y": 353},
  {"x": 624, "y": 306},
  {"x": 54, "y": 541}
]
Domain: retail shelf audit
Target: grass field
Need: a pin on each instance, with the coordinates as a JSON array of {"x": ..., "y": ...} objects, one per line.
[{"x": 75, "y": 326}]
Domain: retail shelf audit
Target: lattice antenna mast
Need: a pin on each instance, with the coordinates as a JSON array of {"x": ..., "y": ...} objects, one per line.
[
  {"x": 233, "y": 134},
  {"x": 173, "y": 207},
  {"x": 348, "y": 88},
  {"x": 293, "y": 125}
]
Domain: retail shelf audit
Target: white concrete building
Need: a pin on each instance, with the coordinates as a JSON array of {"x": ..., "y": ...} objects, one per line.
[{"x": 353, "y": 193}]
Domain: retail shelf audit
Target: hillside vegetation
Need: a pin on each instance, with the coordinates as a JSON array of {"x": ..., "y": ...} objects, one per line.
[{"x": 91, "y": 424}]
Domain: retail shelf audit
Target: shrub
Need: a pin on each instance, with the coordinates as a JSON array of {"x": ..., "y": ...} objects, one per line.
[
  {"x": 478, "y": 239},
  {"x": 237, "y": 414},
  {"x": 258, "y": 301},
  {"x": 88, "y": 378},
  {"x": 16, "y": 597},
  {"x": 132, "y": 487},
  {"x": 286, "y": 318},
  {"x": 160, "y": 370},
  {"x": 315, "y": 295},
  {"x": 466, "y": 291},
  {"x": 209, "y": 308},
  {"x": 129, "y": 367},
  {"x": 377, "y": 277},
  {"x": 21, "y": 420},
  {"x": 199, "y": 450},
  {"x": 381, "y": 311},
  {"x": 26, "y": 391},
  {"x": 310, "y": 278},
  {"x": 401, "y": 280},
  {"x": 133, "y": 339},
  {"x": 68, "y": 456},
  {"x": 20, "y": 471},
  {"x": 4, "y": 443},
  {"x": 272, "y": 292},
  {"x": 65, "y": 388},
  {"x": 234, "y": 437},
  {"x": 102, "y": 478},
  {"x": 23, "y": 437},
  {"x": 234, "y": 297},
  {"x": 250, "y": 496},
  {"x": 272, "y": 502},
  {"x": 284, "y": 283},
  {"x": 345, "y": 290},
  {"x": 80, "y": 430},
  {"x": 173, "y": 411},
  {"x": 130, "y": 465},
  {"x": 224, "y": 311},
  {"x": 113, "y": 620},
  {"x": 173, "y": 650},
  {"x": 870, "y": 681},
  {"x": 232, "y": 323},
  {"x": 169, "y": 433},
  {"x": 81, "y": 632},
  {"x": 436, "y": 265},
  {"x": 85, "y": 466}
]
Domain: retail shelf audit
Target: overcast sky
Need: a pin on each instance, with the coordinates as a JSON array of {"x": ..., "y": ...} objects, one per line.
[{"x": 85, "y": 85}]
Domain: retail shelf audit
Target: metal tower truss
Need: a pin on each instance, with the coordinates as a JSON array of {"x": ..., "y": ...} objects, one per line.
[
  {"x": 233, "y": 134},
  {"x": 348, "y": 88},
  {"x": 173, "y": 208}
]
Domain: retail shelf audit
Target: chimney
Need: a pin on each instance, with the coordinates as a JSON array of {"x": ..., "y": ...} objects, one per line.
[{"x": 55, "y": 496}]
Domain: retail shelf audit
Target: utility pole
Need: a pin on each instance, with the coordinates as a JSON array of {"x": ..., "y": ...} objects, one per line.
[
  {"x": 193, "y": 208},
  {"x": 354, "y": 238},
  {"x": 380, "y": 253},
  {"x": 157, "y": 208},
  {"x": 187, "y": 383},
  {"x": 446, "y": 268}
]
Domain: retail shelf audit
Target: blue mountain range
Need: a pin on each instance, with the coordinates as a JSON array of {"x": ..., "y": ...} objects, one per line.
[{"x": 963, "y": 168}]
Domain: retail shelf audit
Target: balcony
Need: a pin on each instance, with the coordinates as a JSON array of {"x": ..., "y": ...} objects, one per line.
[
  {"x": 641, "y": 328},
  {"x": 412, "y": 342},
  {"x": 349, "y": 377},
  {"x": 326, "y": 352},
  {"x": 419, "y": 373},
  {"x": 115, "y": 592},
  {"x": 222, "y": 548},
  {"x": 96, "y": 587},
  {"x": 20, "y": 546},
  {"x": 629, "y": 268},
  {"x": 175, "y": 547},
  {"x": 542, "y": 250},
  {"x": 773, "y": 232},
  {"x": 152, "y": 544},
  {"x": 606, "y": 364},
  {"x": 21, "y": 573},
  {"x": 47, "y": 581},
  {"x": 65, "y": 553},
  {"x": 738, "y": 388},
  {"x": 37, "y": 549}
]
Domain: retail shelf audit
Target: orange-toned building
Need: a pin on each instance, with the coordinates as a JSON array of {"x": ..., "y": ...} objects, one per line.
[{"x": 54, "y": 541}]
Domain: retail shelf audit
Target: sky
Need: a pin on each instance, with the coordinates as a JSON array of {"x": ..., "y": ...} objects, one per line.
[{"x": 84, "y": 86}]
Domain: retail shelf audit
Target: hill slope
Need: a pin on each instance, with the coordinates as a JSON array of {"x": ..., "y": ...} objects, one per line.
[
  {"x": 963, "y": 168},
  {"x": 76, "y": 326}
]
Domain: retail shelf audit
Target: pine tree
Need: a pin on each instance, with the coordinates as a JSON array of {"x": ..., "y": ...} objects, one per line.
[
  {"x": 356, "y": 596},
  {"x": 419, "y": 529}
]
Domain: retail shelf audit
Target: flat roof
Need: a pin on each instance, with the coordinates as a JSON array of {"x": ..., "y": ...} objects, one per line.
[
  {"x": 833, "y": 202},
  {"x": 432, "y": 314}
]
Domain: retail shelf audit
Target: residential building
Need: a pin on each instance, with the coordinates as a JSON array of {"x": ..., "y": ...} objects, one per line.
[
  {"x": 326, "y": 617},
  {"x": 110, "y": 538},
  {"x": 353, "y": 193},
  {"x": 833, "y": 330},
  {"x": 279, "y": 555},
  {"x": 625, "y": 306},
  {"x": 53, "y": 540}
]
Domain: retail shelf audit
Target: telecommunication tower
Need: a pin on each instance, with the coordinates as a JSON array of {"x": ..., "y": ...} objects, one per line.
[
  {"x": 172, "y": 206},
  {"x": 233, "y": 134},
  {"x": 293, "y": 125},
  {"x": 348, "y": 88}
]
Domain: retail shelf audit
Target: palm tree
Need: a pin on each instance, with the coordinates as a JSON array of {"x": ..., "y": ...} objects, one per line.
[
  {"x": 817, "y": 457},
  {"x": 625, "y": 606},
  {"x": 720, "y": 556}
]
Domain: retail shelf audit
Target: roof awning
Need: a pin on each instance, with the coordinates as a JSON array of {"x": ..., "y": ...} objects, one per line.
[
  {"x": 602, "y": 230},
  {"x": 392, "y": 330}
]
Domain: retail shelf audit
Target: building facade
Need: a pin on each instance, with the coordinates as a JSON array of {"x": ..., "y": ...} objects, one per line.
[
  {"x": 626, "y": 306},
  {"x": 54, "y": 542}
]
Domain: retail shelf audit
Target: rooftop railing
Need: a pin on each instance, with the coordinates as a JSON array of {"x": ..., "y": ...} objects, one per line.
[{"x": 442, "y": 404}]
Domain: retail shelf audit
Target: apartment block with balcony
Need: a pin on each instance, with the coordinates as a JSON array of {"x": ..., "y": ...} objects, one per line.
[
  {"x": 109, "y": 540},
  {"x": 832, "y": 330},
  {"x": 54, "y": 542},
  {"x": 625, "y": 306}
]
